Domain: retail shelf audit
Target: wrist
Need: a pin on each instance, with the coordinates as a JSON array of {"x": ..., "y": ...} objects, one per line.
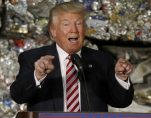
[
  {"x": 40, "y": 76},
  {"x": 122, "y": 77}
]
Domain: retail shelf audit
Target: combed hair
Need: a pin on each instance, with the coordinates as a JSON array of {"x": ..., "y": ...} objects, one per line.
[{"x": 70, "y": 7}]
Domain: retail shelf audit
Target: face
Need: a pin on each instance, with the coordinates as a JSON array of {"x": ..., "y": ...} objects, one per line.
[{"x": 68, "y": 31}]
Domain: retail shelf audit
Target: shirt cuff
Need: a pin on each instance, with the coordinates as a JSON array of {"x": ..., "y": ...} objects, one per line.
[
  {"x": 124, "y": 84},
  {"x": 38, "y": 82}
]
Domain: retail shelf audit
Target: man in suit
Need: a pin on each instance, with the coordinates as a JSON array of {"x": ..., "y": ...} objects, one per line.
[{"x": 41, "y": 81}]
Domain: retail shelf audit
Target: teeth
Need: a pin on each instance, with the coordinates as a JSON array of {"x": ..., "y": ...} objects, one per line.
[{"x": 73, "y": 38}]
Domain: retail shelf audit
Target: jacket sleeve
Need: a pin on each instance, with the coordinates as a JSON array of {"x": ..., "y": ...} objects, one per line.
[
  {"x": 118, "y": 95},
  {"x": 23, "y": 89}
]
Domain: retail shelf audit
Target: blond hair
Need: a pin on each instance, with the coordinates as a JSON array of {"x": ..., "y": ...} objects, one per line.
[{"x": 69, "y": 7}]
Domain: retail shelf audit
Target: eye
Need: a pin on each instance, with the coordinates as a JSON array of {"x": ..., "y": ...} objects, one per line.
[
  {"x": 79, "y": 23},
  {"x": 65, "y": 23}
]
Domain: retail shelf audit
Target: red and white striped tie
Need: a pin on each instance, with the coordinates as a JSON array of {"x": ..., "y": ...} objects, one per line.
[{"x": 72, "y": 89}]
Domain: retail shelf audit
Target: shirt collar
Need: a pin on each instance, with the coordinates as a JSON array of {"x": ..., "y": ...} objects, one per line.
[{"x": 63, "y": 54}]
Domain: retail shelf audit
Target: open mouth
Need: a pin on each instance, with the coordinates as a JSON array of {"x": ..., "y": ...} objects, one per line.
[{"x": 73, "y": 40}]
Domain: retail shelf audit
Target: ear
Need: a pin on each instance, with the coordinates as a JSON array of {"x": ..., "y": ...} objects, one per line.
[{"x": 52, "y": 31}]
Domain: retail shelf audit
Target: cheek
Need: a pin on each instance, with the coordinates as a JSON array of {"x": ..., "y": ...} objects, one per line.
[
  {"x": 65, "y": 30},
  {"x": 60, "y": 32},
  {"x": 82, "y": 32},
  {"x": 81, "y": 29}
]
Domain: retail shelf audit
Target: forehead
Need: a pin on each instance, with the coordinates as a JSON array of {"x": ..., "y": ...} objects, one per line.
[{"x": 68, "y": 16}]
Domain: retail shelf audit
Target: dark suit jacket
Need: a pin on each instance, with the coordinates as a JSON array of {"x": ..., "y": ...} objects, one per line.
[{"x": 102, "y": 87}]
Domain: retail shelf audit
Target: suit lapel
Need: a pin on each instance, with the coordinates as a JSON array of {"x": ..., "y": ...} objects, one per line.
[{"x": 83, "y": 83}]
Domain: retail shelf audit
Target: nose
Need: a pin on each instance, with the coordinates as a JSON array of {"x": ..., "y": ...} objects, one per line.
[{"x": 74, "y": 28}]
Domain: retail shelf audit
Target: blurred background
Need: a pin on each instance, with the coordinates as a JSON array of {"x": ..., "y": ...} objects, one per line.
[{"x": 121, "y": 27}]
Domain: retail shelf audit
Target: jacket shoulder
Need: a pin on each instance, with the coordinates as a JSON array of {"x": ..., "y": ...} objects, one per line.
[
  {"x": 36, "y": 53},
  {"x": 93, "y": 52}
]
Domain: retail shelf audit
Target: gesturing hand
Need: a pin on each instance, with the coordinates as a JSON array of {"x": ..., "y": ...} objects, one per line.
[
  {"x": 123, "y": 69},
  {"x": 43, "y": 66}
]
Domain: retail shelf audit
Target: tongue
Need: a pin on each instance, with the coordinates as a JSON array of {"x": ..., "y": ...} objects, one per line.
[{"x": 73, "y": 40}]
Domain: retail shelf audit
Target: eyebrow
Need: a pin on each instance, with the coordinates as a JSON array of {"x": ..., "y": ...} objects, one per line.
[{"x": 79, "y": 19}]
